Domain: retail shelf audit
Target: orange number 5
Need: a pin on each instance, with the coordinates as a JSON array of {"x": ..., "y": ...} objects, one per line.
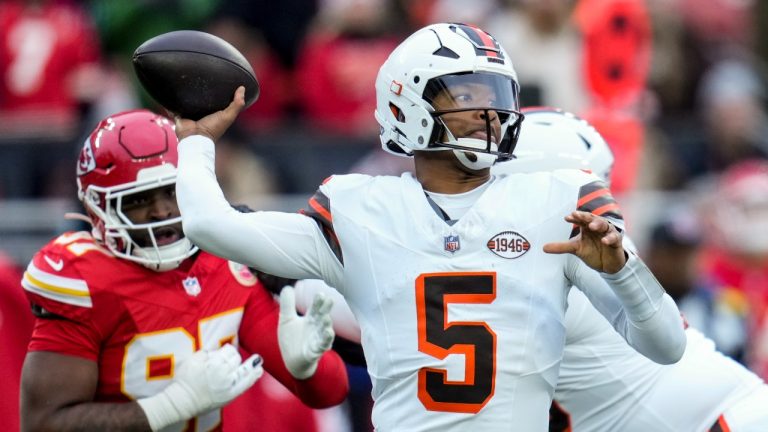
[{"x": 439, "y": 338}]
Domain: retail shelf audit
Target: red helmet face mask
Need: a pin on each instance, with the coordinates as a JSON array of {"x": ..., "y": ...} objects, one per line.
[{"x": 129, "y": 153}]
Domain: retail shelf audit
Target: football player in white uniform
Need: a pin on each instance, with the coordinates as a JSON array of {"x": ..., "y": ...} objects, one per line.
[
  {"x": 605, "y": 385},
  {"x": 458, "y": 279}
]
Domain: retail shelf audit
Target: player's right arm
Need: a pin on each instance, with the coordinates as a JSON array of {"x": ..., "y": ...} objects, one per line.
[
  {"x": 284, "y": 244},
  {"x": 60, "y": 376},
  {"x": 57, "y": 393}
]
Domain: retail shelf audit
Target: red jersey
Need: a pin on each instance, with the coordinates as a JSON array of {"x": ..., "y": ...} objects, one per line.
[
  {"x": 268, "y": 406},
  {"x": 137, "y": 324},
  {"x": 40, "y": 48},
  {"x": 15, "y": 327}
]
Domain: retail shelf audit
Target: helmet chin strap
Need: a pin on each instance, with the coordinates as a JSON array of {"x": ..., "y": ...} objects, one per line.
[
  {"x": 482, "y": 160},
  {"x": 166, "y": 257}
]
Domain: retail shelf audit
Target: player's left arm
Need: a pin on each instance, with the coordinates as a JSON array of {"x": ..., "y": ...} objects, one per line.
[
  {"x": 617, "y": 282},
  {"x": 327, "y": 386},
  {"x": 637, "y": 306},
  {"x": 597, "y": 221}
]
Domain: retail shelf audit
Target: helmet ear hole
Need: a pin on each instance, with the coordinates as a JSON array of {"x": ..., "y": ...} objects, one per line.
[{"x": 397, "y": 112}]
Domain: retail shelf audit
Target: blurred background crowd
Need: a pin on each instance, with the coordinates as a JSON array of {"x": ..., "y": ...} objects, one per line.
[{"x": 677, "y": 87}]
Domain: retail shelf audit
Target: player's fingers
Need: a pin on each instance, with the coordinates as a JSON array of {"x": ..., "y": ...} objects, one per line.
[
  {"x": 579, "y": 217},
  {"x": 325, "y": 339},
  {"x": 599, "y": 225},
  {"x": 238, "y": 101},
  {"x": 229, "y": 355},
  {"x": 560, "y": 247},
  {"x": 247, "y": 374},
  {"x": 612, "y": 239},
  {"x": 287, "y": 301},
  {"x": 321, "y": 305}
]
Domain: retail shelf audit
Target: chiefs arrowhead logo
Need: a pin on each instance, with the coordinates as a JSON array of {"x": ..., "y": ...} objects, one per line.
[{"x": 86, "y": 163}]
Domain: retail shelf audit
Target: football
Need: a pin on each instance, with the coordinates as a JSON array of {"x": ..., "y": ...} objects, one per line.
[{"x": 193, "y": 73}]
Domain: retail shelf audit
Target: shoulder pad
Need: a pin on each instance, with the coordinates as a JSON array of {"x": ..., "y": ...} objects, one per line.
[
  {"x": 52, "y": 280},
  {"x": 575, "y": 176},
  {"x": 345, "y": 181}
]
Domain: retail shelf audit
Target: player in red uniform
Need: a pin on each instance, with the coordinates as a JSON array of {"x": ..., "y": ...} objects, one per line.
[
  {"x": 15, "y": 327},
  {"x": 135, "y": 327}
]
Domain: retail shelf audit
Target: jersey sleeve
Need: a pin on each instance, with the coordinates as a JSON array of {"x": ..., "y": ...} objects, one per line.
[
  {"x": 594, "y": 196},
  {"x": 319, "y": 209},
  {"x": 55, "y": 286},
  {"x": 636, "y": 305},
  {"x": 61, "y": 300},
  {"x": 283, "y": 244},
  {"x": 258, "y": 334}
]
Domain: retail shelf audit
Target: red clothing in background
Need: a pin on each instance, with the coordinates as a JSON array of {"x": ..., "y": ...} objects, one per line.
[{"x": 16, "y": 322}]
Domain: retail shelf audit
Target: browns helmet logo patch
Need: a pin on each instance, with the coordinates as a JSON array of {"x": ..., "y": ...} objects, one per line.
[
  {"x": 509, "y": 245},
  {"x": 242, "y": 274}
]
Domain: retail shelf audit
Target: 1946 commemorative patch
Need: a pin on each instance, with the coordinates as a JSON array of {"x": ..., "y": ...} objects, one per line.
[{"x": 509, "y": 245}]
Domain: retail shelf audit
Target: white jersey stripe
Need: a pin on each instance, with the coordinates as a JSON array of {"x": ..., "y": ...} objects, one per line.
[{"x": 59, "y": 288}]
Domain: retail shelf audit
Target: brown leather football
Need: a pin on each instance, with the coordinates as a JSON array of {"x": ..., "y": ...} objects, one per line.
[{"x": 192, "y": 73}]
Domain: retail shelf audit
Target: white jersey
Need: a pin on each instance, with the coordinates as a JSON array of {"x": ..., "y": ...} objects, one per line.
[
  {"x": 462, "y": 325},
  {"x": 605, "y": 385}
]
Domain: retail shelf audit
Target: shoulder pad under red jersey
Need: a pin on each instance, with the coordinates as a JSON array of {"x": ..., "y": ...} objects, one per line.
[{"x": 53, "y": 280}]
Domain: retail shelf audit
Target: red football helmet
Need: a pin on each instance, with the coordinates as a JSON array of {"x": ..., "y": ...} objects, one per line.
[{"x": 128, "y": 153}]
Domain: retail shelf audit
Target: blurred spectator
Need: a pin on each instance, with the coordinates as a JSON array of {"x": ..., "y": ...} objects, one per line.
[
  {"x": 728, "y": 124},
  {"x": 16, "y": 323},
  {"x": 337, "y": 68},
  {"x": 49, "y": 55},
  {"x": 735, "y": 259},
  {"x": 244, "y": 177},
  {"x": 283, "y": 23},
  {"x": 473, "y": 12},
  {"x": 546, "y": 50},
  {"x": 124, "y": 25},
  {"x": 49, "y": 71},
  {"x": 672, "y": 253},
  {"x": 418, "y": 13},
  {"x": 276, "y": 97},
  {"x": 760, "y": 17},
  {"x": 617, "y": 56},
  {"x": 720, "y": 20},
  {"x": 379, "y": 162},
  {"x": 732, "y": 98}
]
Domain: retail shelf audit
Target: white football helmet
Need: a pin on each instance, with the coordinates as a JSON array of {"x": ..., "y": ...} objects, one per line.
[
  {"x": 129, "y": 153},
  {"x": 738, "y": 211},
  {"x": 554, "y": 139},
  {"x": 433, "y": 61}
]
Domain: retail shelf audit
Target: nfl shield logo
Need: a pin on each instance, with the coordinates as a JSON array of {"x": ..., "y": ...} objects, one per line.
[
  {"x": 191, "y": 286},
  {"x": 451, "y": 243}
]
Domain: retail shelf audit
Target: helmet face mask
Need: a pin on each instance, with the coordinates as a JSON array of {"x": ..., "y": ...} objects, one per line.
[
  {"x": 458, "y": 63},
  {"x": 473, "y": 112},
  {"x": 129, "y": 155}
]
